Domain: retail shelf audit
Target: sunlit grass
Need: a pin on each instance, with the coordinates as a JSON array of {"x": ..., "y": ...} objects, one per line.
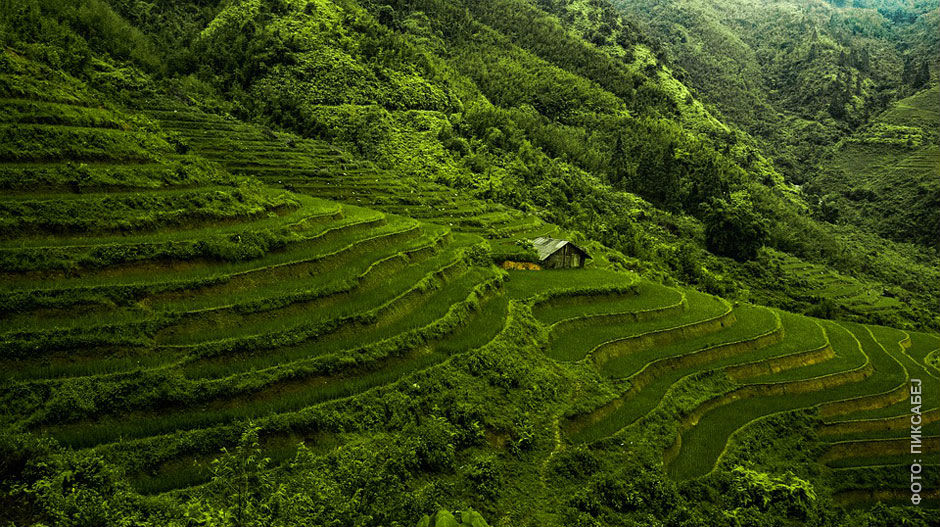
[
  {"x": 299, "y": 394},
  {"x": 575, "y": 343},
  {"x": 702, "y": 444}
]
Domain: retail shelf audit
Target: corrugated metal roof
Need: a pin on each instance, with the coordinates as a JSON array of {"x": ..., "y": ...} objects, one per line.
[{"x": 546, "y": 246}]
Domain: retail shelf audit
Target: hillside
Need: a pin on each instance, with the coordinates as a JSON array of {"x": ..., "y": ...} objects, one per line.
[
  {"x": 412, "y": 91},
  {"x": 883, "y": 178},
  {"x": 250, "y": 277},
  {"x": 798, "y": 75}
]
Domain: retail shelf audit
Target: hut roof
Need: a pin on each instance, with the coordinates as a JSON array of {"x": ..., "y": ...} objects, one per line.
[{"x": 546, "y": 247}]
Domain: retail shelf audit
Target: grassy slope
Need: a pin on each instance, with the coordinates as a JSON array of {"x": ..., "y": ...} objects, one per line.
[
  {"x": 154, "y": 360},
  {"x": 883, "y": 178},
  {"x": 297, "y": 376},
  {"x": 742, "y": 57}
]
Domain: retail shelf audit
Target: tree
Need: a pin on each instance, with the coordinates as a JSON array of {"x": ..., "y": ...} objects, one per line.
[
  {"x": 239, "y": 487},
  {"x": 733, "y": 227},
  {"x": 620, "y": 168}
]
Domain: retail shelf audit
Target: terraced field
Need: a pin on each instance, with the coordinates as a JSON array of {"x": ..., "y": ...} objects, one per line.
[
  {"x": 885, "y": 175},
  {"x": 316, "y": 168},
  {"x": 151, "y": 294},
  {"x": 170, "y": 278},
  {"x": 867, "y": 437},
  {"x": 820, "y": 284},
  {"x": 691, "y": 373}
]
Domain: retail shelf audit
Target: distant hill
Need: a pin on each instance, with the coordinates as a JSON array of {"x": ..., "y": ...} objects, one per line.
[
  {"x": 799, "y": 75},
  {"x": 885, "y": 177},
  {"x": 254, "y": 272}
]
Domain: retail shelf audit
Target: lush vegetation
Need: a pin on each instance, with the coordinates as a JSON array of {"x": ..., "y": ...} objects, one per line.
[{"x": 250, "y": 257}]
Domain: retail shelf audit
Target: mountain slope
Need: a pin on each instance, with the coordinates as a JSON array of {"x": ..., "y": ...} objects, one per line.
[
  {"x": 422, "y": 89},
  {"x": 883, "y": 178},
  {"x": 385, "y": 361},
  {"x": 239, "y": 290},
  {"x": 818, "y": 68}
]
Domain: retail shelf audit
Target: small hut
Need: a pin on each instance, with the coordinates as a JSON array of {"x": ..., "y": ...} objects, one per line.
[{"x": 559, "y": 254}]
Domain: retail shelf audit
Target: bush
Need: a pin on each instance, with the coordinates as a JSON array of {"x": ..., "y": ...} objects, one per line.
[
  {"x": 63, "y": 488},
  {"x": 484, "y": 478},
  {"x": 479, "y": 254},
  {"x": 788, "y": 494},
  {"x": 435, "y": 443},
  {"x": 734, "y": 228}
]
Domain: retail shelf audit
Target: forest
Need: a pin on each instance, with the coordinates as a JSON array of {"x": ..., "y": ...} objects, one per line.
[{"x": 261, "y": 262}]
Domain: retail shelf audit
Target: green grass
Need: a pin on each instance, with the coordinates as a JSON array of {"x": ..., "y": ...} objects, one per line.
[
  {"x": 242, "y": 303},
  {"x": 816, "y": 283},
  {"x": 528, "y": 284},
  {"x": 922, "y": 346},
  {"x": 286, "y": 326},
  {"x": 902, "y": 429},
  {"x": 848, "y": 356},
  {"x": 889, "y": 338},
  {"x": 245, "y": 287},
  {"x": 351, "y": 336},
  {"x": 874, "y": 452},
  {"x": 25, "y": 142},
  {"x": 301, "y": 393},
  {"x": 839, "y": 289},
  {"x": 801, "y": 334},
  {"x": 919, "y": 109},
  {"x": 307, "y": 206},
  {"x": 576, "y": 344},
  {"x": 645, "y": 296},
  {"x": 703, "y": 443},
  {"x": 312, "y": 229},
  {"x": 271, "y": 322},
  {"x": 82, "y": 215},
  {"x": 750, "y": 322},
  {"x": 112, "y": 177},
  {"x": 236, "y": 241},
  {"x": 347, "y": 260},
  {"x": 884, "y": 473},
  {"x": 887, "y": 473},
  {"x": 119, "y": 238},
  {"x": 27, "y": 111},
  {"x": 178, "y": 473},
  {"x": 870, "y": 461},
  {"x": 317, "y": 168},
  {"x": 164, "y": 289}
]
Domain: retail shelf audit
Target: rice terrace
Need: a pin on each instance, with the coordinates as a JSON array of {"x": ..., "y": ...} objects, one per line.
[{"x": 471, "y": 262}]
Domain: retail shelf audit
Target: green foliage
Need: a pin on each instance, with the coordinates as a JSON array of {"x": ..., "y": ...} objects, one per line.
[
  {"x": 42, "y": 483},
  {"x": 826, "y": 69},
  {"x": 141, "y": 213},
  {"x": 64, "y": 34},
  {"x": 883, "y": 515},
  {"x": 240, "y": 484},
  {"x": 484, "y": 478},
  {"x": 444, "y": 518},
  {"x": 734, "y": 228},
  {"x": 479, "y": 254},
  {"x": 435, "y": 448},
  {"x": 638, "y": 491},
  {"x": 881, "y": 178},
  {"x": 757, "y": 489},
  {"x": 516, "y": 251},
  {"x": 162, "y": 312},
  {"x": 357, "y": 483}
]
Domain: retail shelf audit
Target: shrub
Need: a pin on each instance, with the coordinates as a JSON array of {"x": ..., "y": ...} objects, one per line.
[
  {"x": 734, "y": 228},
  {"x": 484, "y": 477},
  {"x": 435, "y": 443}
]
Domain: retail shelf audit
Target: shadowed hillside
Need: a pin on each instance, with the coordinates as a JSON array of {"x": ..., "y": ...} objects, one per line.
[
  {"x": 251, "y": 276},
  {"x": 884, "y": 177}
]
